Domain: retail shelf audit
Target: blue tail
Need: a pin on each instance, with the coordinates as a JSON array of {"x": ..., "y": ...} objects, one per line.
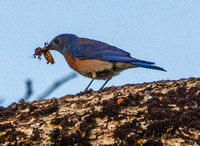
[{"x": 147, "y": 65}]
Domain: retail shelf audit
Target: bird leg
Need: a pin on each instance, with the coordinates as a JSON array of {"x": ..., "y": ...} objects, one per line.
[
  {"x": 104, "y": 84},
  {"x": 89, "y": 85}
]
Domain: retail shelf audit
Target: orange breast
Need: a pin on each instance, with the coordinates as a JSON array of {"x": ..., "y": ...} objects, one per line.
[
  {"x": 86, "y": 67},
  {"x": 73, "y": 62}
]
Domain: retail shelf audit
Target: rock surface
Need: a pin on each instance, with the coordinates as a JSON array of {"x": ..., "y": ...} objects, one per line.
[{"x": 157, "y": 113}]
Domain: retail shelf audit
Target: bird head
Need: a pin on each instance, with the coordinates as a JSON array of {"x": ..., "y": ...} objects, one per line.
[{"x": 61, "y": 42}]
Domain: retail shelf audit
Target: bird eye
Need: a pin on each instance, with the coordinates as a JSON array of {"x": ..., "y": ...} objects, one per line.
[{"x": 56, "y": 41}]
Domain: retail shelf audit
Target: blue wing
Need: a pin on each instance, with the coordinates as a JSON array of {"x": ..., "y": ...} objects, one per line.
[{"x": 102, "y": 51}]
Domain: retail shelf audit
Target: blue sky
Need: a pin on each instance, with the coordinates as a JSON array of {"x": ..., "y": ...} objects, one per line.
[{"x": 166, "y": 32}]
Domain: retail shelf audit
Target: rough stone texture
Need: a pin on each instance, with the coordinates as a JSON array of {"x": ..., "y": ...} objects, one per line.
[{"x": 158, "y": 113}]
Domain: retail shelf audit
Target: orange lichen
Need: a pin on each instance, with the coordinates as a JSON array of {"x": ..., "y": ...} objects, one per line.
[
  {"x": 2, "y": 133},
  {"x": 78, "y": 129},
  {"x": 139, "y": 131},
  {"x": 105, "y": 118},
  {"x": 54, "y": 126},
  {"x": 146, "y": 111},
  {"x": 67, "y": 96},
  {"x": 140, "y": 142},
  {"x": 120, "y": 100}
]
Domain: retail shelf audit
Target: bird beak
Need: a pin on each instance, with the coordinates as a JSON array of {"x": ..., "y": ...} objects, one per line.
[{"x": 50, "y": 47}]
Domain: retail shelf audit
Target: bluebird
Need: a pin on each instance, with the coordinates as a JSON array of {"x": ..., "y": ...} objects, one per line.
[{"x": 95, "y": 59}]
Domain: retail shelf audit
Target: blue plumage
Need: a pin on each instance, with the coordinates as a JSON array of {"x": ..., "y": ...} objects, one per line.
[
  {"x": 147, "y": 65},
  {"x": 102, "y": 51},
  {"x": 95, "y": 49}
]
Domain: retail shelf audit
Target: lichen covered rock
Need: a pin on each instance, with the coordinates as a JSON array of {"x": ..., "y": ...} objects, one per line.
[{"x": 158, "y": 113}]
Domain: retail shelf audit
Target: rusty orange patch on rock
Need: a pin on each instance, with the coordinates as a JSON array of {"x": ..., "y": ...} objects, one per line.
[{"x": 120, "y": 100}]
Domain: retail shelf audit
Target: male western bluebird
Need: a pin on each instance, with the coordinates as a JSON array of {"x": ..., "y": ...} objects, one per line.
[{"x": 95, "y": 59}]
